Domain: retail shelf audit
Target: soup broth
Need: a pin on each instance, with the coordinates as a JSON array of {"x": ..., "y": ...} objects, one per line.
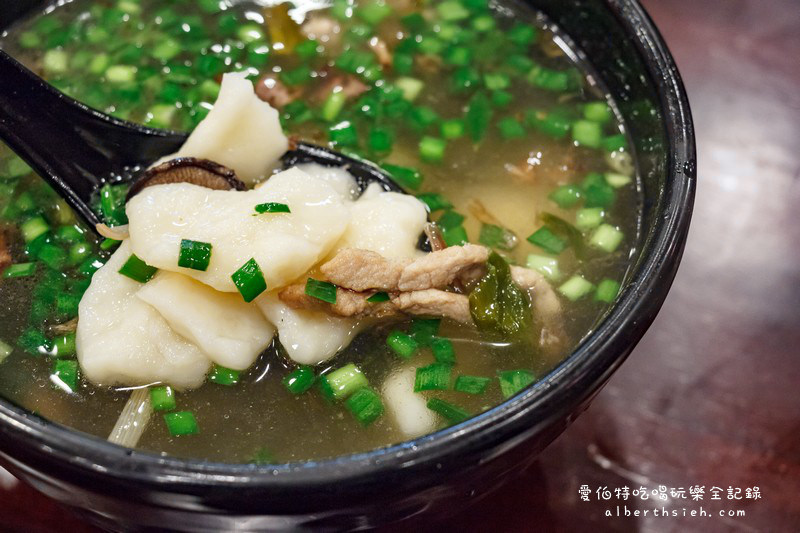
[{"x": 494, "y": 115}]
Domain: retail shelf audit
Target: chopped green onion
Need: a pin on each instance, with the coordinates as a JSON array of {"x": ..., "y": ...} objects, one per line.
[
  {"x": 455, "y": 236},
  {"x": 435, "y": 376},
  {"x": 63, "y": 345},
  {"x": 607, "y": 290},
  {"x": 224, "y": 376},
  {"x": 181, "y": 423},
  {"x": 162, "y": 398},
  {"x": 343, "y": 134},
  {"x": 588, "y": 218},
  {"x": 471, "y": 384},
  {"x": 380, "y": 139},
  {"x": 522, "y": 34},
  {"x": 373, "y": 12},
  {"x": 606, "y": 237},
  {"x": 443, "y": 351},
  {"x": 616, "y": 179},
  {"x": 452, "y": 413},
  {"x": 575, "y": 288},
  {"x": 333, "y": 105},
  {"x": 434, "y": 201},
  {"x": 547, "y": 240},
  {"x": 549, "y": 79},
  {"x": 272, "y": 207},
  {"x": 365, "y": 405},
  {"x": 424, "y": 330},
  {"x": 55, "y": 62},
  {"x": 65, "y": 374},
  {"x": 20, "y": 270},
  {"x": 33, "y": 228},
  {"x": 612, "y": 143},
  {"x": 52, "y": 255},
  {"x": 553, "y": 124},
  {"x": 402, "y": 344},
  {"x": 513, "y": 381},
  {"x": 378, "y": 297},
  {"x": 121, "y": 74},
  {"x": 495, "y": 81},
  {"x": 67, "y": 304},
  {"x": 321, "y": 290},
  {"x": 431, "y": 149},
  {"x": 344, "y": 381},
  {"x": 498, "y": 237},
  {"x": 510, "y": 128},
  {"x": 34, "y": 342},
  {"x": 566, "y": 196},
  {"x": 299, "y": 380},
  {"x": 479, "y": 113},
  {"x": 452, "y": 129},
  {"x": 452, "y": 10},
  {"x": 501, "y": 98},
  {"x": 547, "y": 266},
  {"x": 249, "y": 280},
  {"x": 458, "y": 55},
  {"x": 596, "y": 191},
  {"x": 587, "y": 133},
  {"x": 108, "y": 244},
  {"x": 422, "y": 117},
  {"x": 194, "y": 254},
  {"x": 410, "y": 87},
  {"x": 138, "y": 270},
  {"x": 404, "y": 176},
  {"x": 597, "y": 112},
  {"x": 450, "y": 219}
]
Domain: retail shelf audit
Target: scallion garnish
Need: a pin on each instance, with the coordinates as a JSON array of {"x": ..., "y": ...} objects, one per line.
[
  {"x": 272, "y": 207},
  {"x": 299, "y": 380},
  {"x": 575, "y": 288},
  {"x": 547, "y": 240},
  {"x": 63, "y": 345},
  {"x": 249, "y": 280},
  {"x": 224, "y": 376},
  {"x": 513, "y": 381},
  {"x": 435, "y": 376},
  {"x": 162, "y": 398},
  {"x": 402, "y": 344},
  {"x": 138, "y": 270},
  {"x": 452, "y": 413},
  {"x": 404, "y": 176},
  {"x": 434, "y": 201},
  {"x": 195, "y": 255},
  {"x": 607, "y": 290},
  {"x": 450, "y": 219},
  {"x": 365, "y": 405},
  {"x": 65, "y": 374},
  {"x": 379, "y": 297},
  {"x": 181, "y": 423},
  {"x": 321, "y": 290},
  {"x": 443, "y": 351},
  {"x": 343, "y": 382},
  {"x": 424, "y": 330},
  {"x": 20, "y": 270},
  {"x": 471, "y": 384}
]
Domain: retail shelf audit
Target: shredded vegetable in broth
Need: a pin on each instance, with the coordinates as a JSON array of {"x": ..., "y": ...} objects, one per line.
[{"x": 496, "y": 133}]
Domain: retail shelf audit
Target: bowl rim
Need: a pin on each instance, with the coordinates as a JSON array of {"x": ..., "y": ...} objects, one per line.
[{"x": 573, "y": 381}]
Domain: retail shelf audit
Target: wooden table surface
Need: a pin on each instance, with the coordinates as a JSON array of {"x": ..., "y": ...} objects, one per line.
[{"x": 710, "y": 396}]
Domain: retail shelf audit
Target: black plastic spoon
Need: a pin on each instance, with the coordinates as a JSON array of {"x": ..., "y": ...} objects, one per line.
[{"x": 77, "y": 149}]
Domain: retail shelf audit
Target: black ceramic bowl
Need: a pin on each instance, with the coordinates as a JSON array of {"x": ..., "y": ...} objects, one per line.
[{"x": 128, "y": 489}]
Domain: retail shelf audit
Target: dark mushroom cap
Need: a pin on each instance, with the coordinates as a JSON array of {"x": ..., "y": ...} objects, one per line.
[{"x": 200, "y": 172}]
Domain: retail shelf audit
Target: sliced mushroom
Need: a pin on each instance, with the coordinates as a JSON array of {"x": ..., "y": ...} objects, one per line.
[
  {"x": 189, "y": 170},
  {"x": 271, "y": 90}
]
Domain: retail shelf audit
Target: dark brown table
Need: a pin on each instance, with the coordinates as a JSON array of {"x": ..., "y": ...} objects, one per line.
[{"x": 710, "y": 396}]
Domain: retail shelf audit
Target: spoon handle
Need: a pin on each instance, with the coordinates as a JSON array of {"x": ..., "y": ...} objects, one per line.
[{"x": 70, "y": 145}]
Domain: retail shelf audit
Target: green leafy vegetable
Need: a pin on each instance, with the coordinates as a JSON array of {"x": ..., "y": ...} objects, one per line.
[{"x": 497, "y": 303}]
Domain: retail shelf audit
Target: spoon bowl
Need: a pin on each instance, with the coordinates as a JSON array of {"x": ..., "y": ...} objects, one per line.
[{"x": 78, "y": 149}]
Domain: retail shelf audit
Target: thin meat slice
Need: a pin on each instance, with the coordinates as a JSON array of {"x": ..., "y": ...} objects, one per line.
[
  {"x": 349, "y": 304},
  {"x": 435, "y": 302},
  {"x": 439, "y": 269},
  {"x": 5, "y": 252},
  {"x": 361, "y": 270}
]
